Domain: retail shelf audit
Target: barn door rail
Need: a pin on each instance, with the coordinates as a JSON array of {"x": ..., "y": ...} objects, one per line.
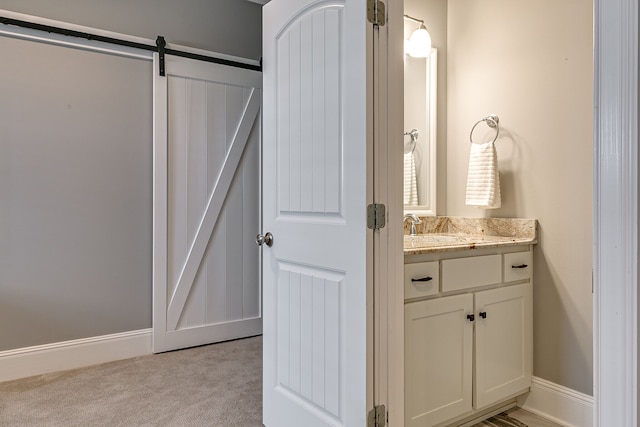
[{"x": 160, "y": 46}]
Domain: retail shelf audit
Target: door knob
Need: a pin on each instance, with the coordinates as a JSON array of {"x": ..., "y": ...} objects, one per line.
[{"x": 267, "y": 239}]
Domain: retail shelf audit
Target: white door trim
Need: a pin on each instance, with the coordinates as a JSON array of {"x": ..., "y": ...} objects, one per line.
[
  {"x": 388, "y": 242},
  {"x": 615, "y": 277}
]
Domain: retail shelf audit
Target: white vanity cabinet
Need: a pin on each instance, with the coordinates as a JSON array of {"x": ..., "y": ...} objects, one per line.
[
  {"x": 468, "y": 344},
  {"x": 438, "y": 360},
  {"x": 503, "y": 343}
]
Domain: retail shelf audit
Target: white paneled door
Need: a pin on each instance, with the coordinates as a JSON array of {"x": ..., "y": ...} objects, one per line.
[
  {"x": 317, "y": 278},
  {"x": 206, "y": 282}
]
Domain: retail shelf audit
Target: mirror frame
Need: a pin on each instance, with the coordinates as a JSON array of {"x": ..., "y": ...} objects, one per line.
[{"x": 431, "y": 94}]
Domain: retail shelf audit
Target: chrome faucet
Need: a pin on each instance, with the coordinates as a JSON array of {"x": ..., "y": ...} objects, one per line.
[{"x": 414, "y": 220}]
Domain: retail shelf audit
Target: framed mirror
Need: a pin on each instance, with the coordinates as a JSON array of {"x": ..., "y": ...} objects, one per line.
[{"x": 420, "y": 115}]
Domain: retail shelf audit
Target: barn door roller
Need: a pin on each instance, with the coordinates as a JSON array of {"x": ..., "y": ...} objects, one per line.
[{"x": 161, "y": 44}]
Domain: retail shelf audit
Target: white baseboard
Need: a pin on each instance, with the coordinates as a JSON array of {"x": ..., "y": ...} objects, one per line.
[
  {"x": 60, "y": 356},
  {"x": 559, "y": 404}
]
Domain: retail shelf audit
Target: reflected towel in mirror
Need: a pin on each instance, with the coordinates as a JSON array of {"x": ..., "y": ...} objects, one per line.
[
  {"x": 410, "y": 180},
  {"x": 483, "y": 179}
]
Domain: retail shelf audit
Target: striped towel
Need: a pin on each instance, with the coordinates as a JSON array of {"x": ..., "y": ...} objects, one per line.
[
  {"x": 410, "y": 180},
  {"x": 483, "y": 179}
]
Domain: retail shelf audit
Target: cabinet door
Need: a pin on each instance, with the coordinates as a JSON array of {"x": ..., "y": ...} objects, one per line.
[
  {"x": 503, "y": 342},
  {"x": 438, "y": 359}
]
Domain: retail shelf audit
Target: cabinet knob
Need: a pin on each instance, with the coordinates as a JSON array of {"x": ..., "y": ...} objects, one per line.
[
  {"x": 483, "y": 314},
  {"x": 471, "y": 317},
  {"x": 423, "y": 279}
]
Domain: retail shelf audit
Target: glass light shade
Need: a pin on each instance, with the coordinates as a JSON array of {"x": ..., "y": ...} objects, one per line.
[{"x": 420, "y": 43}]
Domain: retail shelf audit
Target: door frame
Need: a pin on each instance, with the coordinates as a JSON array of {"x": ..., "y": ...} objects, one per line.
[
  {"x": 388, "y": 241},
  {"x": 615, "y": 227},
  {"x": 615, "y": 197}
]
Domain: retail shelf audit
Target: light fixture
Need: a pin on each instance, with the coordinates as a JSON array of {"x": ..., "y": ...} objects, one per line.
[{"x": 419, "y": 44}]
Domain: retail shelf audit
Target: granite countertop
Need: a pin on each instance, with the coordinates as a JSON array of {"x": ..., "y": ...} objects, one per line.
[{"x": 446, "y": 234}]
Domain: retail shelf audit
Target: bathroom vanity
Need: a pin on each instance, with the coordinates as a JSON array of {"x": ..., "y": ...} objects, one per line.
[{"x": 468, "y": 318}]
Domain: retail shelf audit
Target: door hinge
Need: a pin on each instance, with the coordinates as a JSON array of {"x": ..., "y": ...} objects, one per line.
[
  {"x": 376, "y": 12},
  {"x": 377, "y": 417},
  {"x": 376, "y": 216}
]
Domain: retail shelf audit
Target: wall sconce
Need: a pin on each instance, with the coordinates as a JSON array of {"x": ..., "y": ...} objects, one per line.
[{"x": 419, "y": 44}]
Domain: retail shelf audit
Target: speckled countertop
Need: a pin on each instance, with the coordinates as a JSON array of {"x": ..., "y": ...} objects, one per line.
[{"x": 446, "y": 234}]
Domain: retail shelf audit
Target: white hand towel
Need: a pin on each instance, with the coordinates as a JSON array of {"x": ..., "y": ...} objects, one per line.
[
  {"x": 483, "y": 179},
  {"x": 410, "y": 180}
]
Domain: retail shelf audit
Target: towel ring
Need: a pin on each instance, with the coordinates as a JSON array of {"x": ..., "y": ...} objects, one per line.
[
  {"x": 492, "y": 121},
  {"x": 414, "y": 137}
]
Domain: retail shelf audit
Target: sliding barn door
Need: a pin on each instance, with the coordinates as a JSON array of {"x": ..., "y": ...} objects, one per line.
[{"x": 206, "y": 279}]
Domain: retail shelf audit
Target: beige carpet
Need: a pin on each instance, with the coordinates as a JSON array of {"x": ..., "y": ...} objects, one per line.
[{"x": 215, "y": 385}]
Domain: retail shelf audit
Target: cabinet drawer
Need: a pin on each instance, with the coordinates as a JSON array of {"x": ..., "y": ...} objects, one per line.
[
  {"x": 465, "y": 273},
  {"x": 517, "y": 266},
  {"x": 421, "y": 279}
]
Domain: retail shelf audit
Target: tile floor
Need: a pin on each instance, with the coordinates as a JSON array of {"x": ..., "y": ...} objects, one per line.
[{"x": 531, "y": 420}]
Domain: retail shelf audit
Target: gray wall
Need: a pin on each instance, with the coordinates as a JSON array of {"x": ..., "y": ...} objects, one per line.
[
  {"x": 76, "y": 165},
  {"x": 531, "y": 62},
  {"x": 75, "y": 185}
]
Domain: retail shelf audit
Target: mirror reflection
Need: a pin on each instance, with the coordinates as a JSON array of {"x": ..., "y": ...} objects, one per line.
[{"x": 420, "y": 109}]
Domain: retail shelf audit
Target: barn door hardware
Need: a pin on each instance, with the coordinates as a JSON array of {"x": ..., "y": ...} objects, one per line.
[{"x": 161, "y": 44}]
